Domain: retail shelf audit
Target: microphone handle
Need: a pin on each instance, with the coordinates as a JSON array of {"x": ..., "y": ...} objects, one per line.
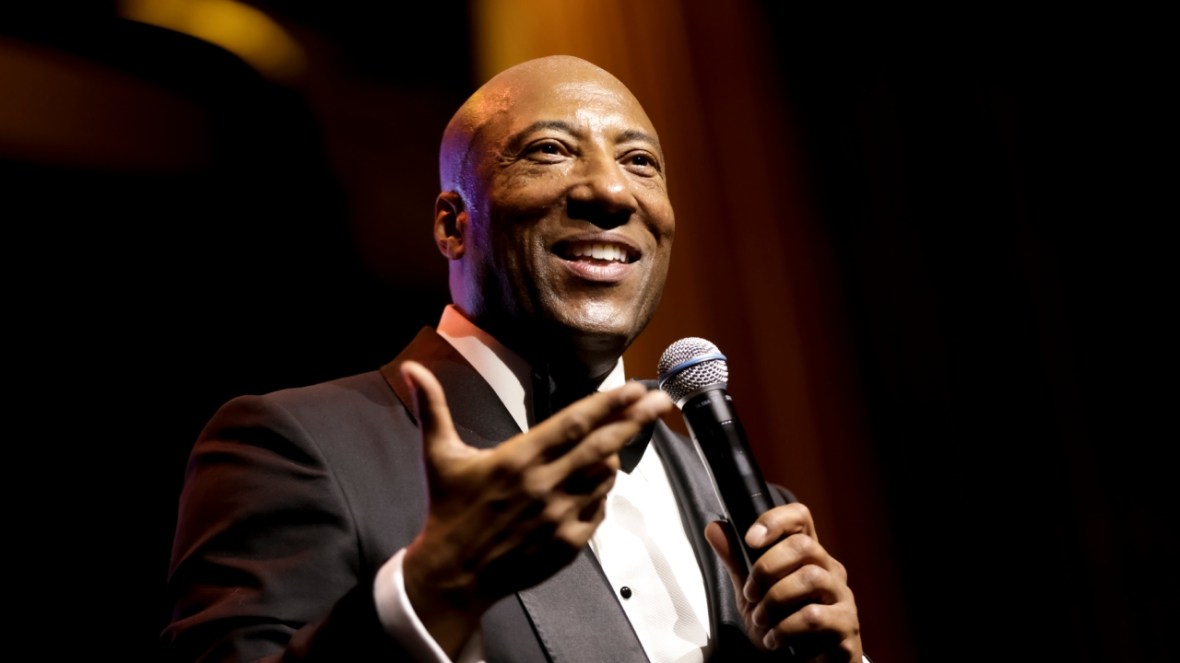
[{"x": 721, "y": 443}]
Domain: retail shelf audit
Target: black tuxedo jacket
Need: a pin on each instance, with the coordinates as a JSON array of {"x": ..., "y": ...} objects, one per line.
[{"x": 293, "y": 500}]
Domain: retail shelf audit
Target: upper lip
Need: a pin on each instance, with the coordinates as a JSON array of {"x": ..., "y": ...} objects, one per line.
[{"x": 562, "y": 247}]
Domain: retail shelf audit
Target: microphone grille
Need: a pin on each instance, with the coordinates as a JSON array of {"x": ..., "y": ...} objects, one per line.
[{"x": 690, "y": 365}]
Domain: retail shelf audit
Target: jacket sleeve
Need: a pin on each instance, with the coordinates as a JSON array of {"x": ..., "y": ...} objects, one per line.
[{"x": 265, "y": 563}]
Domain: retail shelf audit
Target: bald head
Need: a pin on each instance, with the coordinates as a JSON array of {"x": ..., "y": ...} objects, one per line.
[
  {"x": 494, "y": 103},
  {"x": 554, "y": 213}
]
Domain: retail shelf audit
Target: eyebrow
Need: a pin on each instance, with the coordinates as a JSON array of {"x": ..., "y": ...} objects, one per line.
[{"x": 565, "y": 127}]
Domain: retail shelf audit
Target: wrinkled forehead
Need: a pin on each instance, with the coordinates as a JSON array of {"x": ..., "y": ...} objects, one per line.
[
  {"x": 590, "y": 105},
  {"x": 583, "y": 97}
]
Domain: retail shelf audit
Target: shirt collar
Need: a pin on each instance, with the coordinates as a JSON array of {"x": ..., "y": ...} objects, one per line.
[{"x": 509, "y": 375}]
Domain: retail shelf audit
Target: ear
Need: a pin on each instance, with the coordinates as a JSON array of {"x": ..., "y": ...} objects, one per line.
[{"x": 450, "y": 224}]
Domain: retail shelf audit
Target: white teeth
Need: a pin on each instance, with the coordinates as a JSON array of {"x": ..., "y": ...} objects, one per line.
[{"x": 599, "y": 252}]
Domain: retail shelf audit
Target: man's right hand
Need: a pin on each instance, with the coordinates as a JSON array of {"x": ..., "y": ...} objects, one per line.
[{"x": 504, "y": 519}]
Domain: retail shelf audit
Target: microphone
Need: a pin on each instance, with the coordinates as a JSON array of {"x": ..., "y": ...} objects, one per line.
[{"x": 694, "y": 373}]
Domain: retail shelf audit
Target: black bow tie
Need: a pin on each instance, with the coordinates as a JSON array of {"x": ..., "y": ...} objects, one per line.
[
  {"x": 630, "y": 455},
  {"x": 548, "y": 398}
]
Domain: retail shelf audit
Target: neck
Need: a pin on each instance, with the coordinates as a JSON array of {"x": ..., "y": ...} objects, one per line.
[{"x": 570, "y": 357}]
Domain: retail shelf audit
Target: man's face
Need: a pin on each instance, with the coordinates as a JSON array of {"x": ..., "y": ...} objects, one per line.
[{"x": 570, "y": 226}]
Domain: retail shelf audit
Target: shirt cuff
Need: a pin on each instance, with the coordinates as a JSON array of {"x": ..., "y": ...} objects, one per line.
[{"x": 399, "y": 619}]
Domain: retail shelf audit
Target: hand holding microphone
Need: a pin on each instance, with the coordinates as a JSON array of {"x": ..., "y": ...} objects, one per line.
[{"x": 694, "y": 373}]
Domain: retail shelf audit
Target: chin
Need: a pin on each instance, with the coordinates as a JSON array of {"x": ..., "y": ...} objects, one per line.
[
  {"x": 606, "y": 336},
  {"x": 594, "y": 316}
]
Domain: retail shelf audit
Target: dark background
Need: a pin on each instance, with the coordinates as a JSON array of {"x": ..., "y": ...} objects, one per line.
[{"x": 990, "y": 186}]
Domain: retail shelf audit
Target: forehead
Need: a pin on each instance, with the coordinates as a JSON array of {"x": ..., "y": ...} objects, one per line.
[{"x": 587, "y": 104}]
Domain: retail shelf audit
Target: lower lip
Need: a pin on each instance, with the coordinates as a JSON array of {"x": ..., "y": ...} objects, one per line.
[{"x": 602, "y": 272}]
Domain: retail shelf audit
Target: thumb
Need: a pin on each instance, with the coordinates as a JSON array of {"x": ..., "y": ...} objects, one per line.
[
  {"x": 721, "y": 538},
  {"x": 434, "y": 417}
]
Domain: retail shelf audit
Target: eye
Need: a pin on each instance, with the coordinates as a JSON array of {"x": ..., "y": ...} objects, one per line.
[
  {"x": 641, "y": 162},
  {"x": 546, "y": 150}
]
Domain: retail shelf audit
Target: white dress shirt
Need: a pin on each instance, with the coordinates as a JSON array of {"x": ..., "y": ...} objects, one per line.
[{"x": 641, "y": 543}]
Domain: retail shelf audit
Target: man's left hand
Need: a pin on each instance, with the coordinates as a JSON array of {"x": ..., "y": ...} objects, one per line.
[{"x": 795, "y": 599}]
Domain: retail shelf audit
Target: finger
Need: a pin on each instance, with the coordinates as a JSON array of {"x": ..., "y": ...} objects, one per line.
[
  {"x": 795, "y": 566},
  {"x": 589, "y": 479},
  {"x": 819, "y": 628},
  {"x": 779, "y": 522},
  {"x": 544, "y": 503},
  {"x": 604, "y": 442},
  {"x": 593, "y": 513},
  {"x": 809, "y": 584},
  {"x": 565, "y": 507},
  {"x": 724, "y": 542},
  {"x": 599, "y": 448},
  {"x": 430, "y": 403},
  {"x": 574, "y": 422},
  {"x": 565, "y": 524}
]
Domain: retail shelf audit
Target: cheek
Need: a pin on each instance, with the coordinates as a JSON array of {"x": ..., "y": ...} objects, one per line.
[
  {"x": 528, "y": 256},
  {"x": 522, "y": 266},
  {"x": 657, "y": 207}
]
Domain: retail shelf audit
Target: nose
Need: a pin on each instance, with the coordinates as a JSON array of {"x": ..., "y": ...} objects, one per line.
[{"x": 602, "y": 194}]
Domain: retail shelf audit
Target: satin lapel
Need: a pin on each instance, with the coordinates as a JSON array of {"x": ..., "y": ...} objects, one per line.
[
  {"x": 480, "y": 418},
  {"x": 699, "y": 506},
  {"x": 577, "y": 617}
]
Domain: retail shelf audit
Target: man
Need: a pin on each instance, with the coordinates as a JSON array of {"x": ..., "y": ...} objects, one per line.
[{"x": 434, "y": 510}]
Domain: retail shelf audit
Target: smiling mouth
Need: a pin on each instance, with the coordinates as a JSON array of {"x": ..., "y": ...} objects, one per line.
[{"x": 605, "y": 252}]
